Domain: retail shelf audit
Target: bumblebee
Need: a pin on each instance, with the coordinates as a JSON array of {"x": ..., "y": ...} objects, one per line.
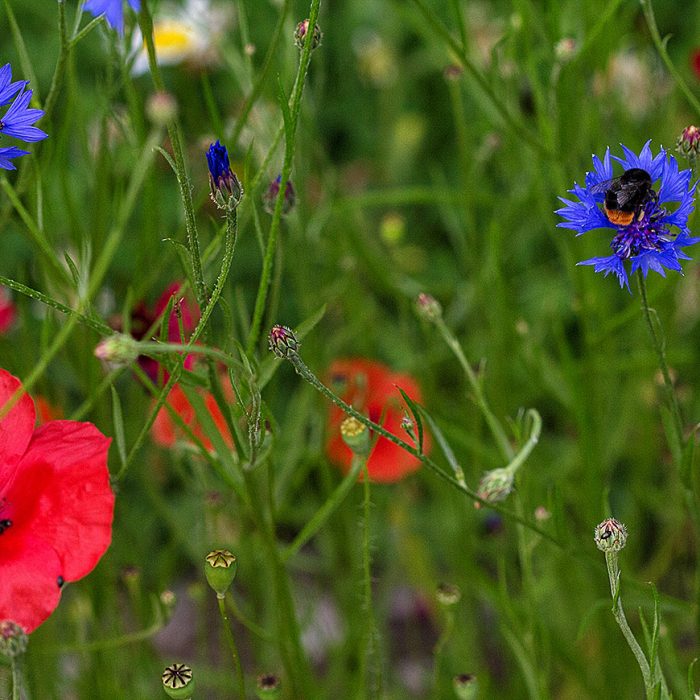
[{"x": 625, "y": 196}]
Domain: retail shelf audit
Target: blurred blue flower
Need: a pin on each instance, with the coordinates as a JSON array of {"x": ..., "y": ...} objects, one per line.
[
  {"x": 6, "y": 155},
  {"x": 19, "y": 118},
  {"x": 113, "y": 10},
  {"x": 657, "y": 233},
  {"x": 9, "y": 89}
]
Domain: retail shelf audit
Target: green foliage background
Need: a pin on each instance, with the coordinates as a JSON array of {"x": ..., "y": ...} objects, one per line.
[{"x": 472, "y": 166}]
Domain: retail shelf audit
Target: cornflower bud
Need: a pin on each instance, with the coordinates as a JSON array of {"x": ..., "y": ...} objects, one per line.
[
  {"x": 220, "y": 569},
  {"x": 118, "y": 350},
  {"x": 226, "y": 190},
  {"x": 688, "y": 143},
  {"x": 496, "y": 485},
  {"x": 178, "y": 681},
  {"x": 283, "y": 342},
  {"x": 428, "y": 307},
  {"x": 300, "y": 35},
  {"x": 270, "y": 196},
  {"x": 13, "y": 639},
  {"x": 610, "y": 535}
]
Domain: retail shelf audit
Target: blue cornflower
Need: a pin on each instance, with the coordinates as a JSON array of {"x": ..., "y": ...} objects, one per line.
[
  {"x": 18, "y": 120},
  {"x": 654, "y": 237},
  {"x": 113, "y": 10},
  {"x": 9, "y": 89},
  {"x": 226, "y": 190}
]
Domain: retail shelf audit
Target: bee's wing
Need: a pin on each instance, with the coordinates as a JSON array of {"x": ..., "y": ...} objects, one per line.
[{"x": 604, "y": 186}]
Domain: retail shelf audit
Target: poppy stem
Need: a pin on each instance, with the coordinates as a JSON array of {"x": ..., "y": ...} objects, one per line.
[
  {"x": 659, "y": 343},
  {"x": 370, "y": 660},
  {"x": 16, "y": 679},
  {"x": 221, "y": 600}
]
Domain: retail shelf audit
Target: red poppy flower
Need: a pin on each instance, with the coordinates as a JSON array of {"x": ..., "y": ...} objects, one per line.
[
  {"x": 166, "y": 432},
  {"x": 56, "y": 507},
  {"x": 7, "y": 311},
  {"x": 371, "y": 388}
]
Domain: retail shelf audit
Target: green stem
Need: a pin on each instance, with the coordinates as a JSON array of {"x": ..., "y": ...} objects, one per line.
[
  {"x": 658, "y": 342},
  {"x": 16, "y": 679},
  {"x": 329, "y": 506},
  {"x": 306, "y": 374},
  {"x": 514, "y": 125},
  {"x": 661, "y": 48},
  {"x": 438, "y": 649},
  {"x": 290, "y": 126},
  {"x": 229, "y": 247},
  {"x": 240, "y": 680},
  {"x": 619, "y": 614},
  {"x": 370, "y": 661},
  {"x": 499, "y": 434},
  {"x": 183, "y": 180}
]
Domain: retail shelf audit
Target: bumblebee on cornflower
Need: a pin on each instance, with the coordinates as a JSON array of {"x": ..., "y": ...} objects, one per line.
[{"x": 648, "y": 215}]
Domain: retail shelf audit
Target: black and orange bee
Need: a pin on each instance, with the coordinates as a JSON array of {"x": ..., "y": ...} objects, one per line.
[{"x": 625, "y": 196}]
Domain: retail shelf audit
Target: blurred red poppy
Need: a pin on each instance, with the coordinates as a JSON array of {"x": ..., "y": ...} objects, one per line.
[
  {"x": 184, "y": 311},
  {"x": 7, "y": 311},
  {"x": 166, "y": 432},
  {"x": 56, "y": 506},
  {"x": 695, "y": 62},
  {"x": 372, "y": 388}
]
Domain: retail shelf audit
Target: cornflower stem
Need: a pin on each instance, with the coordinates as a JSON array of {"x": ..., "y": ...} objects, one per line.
[
  {"x": 370, "y": 663},
  {"x": 611, "y": 561},
  {"x": 16, "y": 679},
  {"x": 240, "y": 680},
  {"x": 499, "y": 434},
  {"x": 183, "y": 180},
  {"x": 329, "y": 506},
  {"x": 659, "y": 344},
  {"x": 229, "y": 248},
  {"x": 290, "y": 127}
]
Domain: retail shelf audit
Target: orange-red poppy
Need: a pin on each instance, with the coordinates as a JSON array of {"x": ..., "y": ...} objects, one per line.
[{"x": 373, "y": 389}]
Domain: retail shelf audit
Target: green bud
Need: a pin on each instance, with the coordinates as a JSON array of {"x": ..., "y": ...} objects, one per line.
[
  {"x": 496, "y": 485},
  {"x": 610, "y": 535},
  {"x": 448, "y": 594},
  {"x": 13, "y": 639},
  {"x": 428, "y": 307},
  {"x": 220, "y": 569},
  {"x": 268, "y": 687},
  {"x": 355, "y": 435},
  {"x": 118, "y": 350},
  {"x": 178, "y": 682},
  {"x": 300, "y": 35},
  {"x": 283, "y": 342},
  {"x": 465, "y": 686}
]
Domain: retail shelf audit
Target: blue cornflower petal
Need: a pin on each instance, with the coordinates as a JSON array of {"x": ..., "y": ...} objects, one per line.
[
  {"x": 113, "y": 10},
  {"x": 658, "y": 232},
  {"x": 607, "y": 265},
  {"x": 6, "y": 155},
  {"x": 19, "y": 118},
  {"x": 9, "y": 89}
]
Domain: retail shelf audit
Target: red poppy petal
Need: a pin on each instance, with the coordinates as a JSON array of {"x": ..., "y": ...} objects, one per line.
[
  {"x": 16, "y": 428},
  {"x": 29, "y": 592},
  {"x": 61, "y": 494}
]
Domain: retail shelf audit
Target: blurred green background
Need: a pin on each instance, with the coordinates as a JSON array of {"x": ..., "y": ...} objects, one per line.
[{"x": 412, "y": 174}]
